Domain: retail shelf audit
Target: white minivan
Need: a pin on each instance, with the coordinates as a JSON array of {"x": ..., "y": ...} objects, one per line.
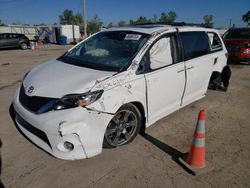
[{"x": 117, "y": 82}]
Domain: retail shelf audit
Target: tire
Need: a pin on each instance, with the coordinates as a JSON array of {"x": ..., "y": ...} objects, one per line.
[
  {"x": 24, "y": 46},
  {"x": 123, "y": 127},
  {"x": 226, "y": 75},
  {"x": 215, "y": 81}
]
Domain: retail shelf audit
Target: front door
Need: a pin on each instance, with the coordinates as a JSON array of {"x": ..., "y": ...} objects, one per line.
[{"x": 165, "y": 79}]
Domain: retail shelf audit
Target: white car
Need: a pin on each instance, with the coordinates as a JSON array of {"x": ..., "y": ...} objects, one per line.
[{"x": 107, "y": 88}]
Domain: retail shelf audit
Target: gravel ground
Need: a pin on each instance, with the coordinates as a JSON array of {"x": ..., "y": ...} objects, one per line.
[{"x": 150, "y": 160}]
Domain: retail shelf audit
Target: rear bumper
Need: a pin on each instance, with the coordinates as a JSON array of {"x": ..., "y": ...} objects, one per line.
[
  {"x": 243, "y": 55},
  {"x": 84, "y": 129}
]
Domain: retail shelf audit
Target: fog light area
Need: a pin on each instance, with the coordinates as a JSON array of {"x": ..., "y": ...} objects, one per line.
[{"x": 68, "y": 146}]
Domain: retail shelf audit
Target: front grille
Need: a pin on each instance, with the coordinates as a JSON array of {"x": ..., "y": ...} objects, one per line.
[
  {"x": 40, "y": 134},
  {"x": 32, "y": 103}
]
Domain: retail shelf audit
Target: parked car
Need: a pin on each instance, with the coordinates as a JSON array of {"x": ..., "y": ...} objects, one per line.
[
  {"x": 237, "y": 41},
  {"x": 112, "y": 85},
  {"x": 13, "y": 40}
]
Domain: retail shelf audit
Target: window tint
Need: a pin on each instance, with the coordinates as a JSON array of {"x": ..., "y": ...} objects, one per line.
[
  {"x": 164, "y": 52},
  {"x": 215, "y": 41},
  {"x": 15, "y": 36},
  {"x": 5, "y": 36},
  {"x": 238, "y": 34},
  {"x": 195, "y": 44}
]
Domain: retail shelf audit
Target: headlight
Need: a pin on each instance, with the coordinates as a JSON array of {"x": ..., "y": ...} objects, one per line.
[{"x": 74, "y": 100}]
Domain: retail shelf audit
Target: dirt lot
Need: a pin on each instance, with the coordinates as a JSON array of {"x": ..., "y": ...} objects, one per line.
[{"x": 149, "y": 161}]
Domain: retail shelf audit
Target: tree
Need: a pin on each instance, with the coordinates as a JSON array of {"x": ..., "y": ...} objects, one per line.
[
  {"x": 67, "y": 17},
  {"x": 94, "y": 25},
  {"x": 168, "y": 18},
  {"x": 121, "y": 23},
  {"x": 208, "y": 21},
  {"x": 246, "y": 18},
  {"x": 131, "y": 22},
  {"x": 1, "y": 23},
  {"x": 142, "y": 20},
  {"x": 109, "y": 25},
  {"x": 78, "y": 19},
  {"x": 155, "y": 18}
]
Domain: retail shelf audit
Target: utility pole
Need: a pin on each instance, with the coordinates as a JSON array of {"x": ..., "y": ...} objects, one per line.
[
  {"x": 230, "y": 23},
  {"x": 84, "y": 18}
]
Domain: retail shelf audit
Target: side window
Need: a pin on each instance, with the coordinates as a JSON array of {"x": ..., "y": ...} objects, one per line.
[
  {"x": 195, "y": 44},
  {"x": 164, "y": 52},
  {"x": 6, "y": 36},
  {"x": 14, "y": 36},
  {"x": 215, "y": 42}
]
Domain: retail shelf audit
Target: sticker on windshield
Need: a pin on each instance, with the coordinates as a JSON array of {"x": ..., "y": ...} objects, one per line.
[{"x": 132, "y": 37}]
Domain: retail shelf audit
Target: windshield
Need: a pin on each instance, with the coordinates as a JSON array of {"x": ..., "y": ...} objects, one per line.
[
  {"x": 108, "y": 50},
  {"x": 238, "y": 34}
]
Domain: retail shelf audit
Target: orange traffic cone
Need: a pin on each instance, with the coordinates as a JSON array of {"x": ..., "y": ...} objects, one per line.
[
  {"x": 196, "y": 155},
  {"x": 194, "y": 162},
  {"x": 36, "y": 45}
]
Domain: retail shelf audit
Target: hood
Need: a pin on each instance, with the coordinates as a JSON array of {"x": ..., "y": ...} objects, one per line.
[
  {"x": 236, "y": 42},
  {"x": 55, "y": 79}
]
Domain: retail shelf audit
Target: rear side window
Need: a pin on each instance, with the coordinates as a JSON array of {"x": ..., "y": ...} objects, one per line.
[
  {"x": 195, "y": 44},
  {"x": 215, "y": 41}
]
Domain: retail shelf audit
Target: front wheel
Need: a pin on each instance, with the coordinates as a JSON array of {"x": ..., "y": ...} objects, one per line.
[
  {"x": 24, "y": 46},
  {"x": 123, "y": 127}
]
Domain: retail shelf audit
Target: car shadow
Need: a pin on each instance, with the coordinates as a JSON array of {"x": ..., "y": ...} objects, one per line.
[
  {"x": 174, "y": 153},
  {"x": 1, "y": 184},
  {"x": 237, "y": 62}
]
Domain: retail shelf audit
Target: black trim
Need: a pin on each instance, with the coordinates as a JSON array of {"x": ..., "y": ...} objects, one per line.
[
  {"x": 185, "y": 68},
  {"x": 211, "y": 49},
  {"x": 33, "y": 103},
  {"x": 37, "y": 132}
]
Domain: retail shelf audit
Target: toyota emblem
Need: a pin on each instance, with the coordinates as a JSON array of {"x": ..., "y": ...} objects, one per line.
[{"x": 31, "y": 89}]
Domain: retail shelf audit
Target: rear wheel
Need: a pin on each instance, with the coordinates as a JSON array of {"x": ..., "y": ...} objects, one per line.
[
  {"x": 215, "y": 81},
  {"x": 123, "y": 127},
  {"x": 225, "y": 76}
]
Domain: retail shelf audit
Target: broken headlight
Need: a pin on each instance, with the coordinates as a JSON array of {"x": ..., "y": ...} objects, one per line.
[{"x": 75, "y": 100}]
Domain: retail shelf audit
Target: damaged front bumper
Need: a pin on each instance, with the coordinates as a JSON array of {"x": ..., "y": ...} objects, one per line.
[{"x": 75, "y": 133}]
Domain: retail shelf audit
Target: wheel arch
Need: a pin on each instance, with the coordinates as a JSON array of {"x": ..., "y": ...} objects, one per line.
[{"x": 141, "y": 108}]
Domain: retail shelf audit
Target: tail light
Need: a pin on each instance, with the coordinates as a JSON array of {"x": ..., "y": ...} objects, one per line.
[
  {"x": 246, "y": 51},
  {"x": 247, "y": 45}
]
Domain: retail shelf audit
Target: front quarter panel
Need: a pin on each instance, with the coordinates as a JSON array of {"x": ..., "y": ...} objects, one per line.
[{"x": 119, "y": 90}]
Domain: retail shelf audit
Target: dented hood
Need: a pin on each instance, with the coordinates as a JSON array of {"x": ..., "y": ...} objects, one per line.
[{"x": 56, "y": 79}]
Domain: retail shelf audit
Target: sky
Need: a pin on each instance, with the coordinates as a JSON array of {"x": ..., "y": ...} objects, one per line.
[{"x": 190, "y": 11}]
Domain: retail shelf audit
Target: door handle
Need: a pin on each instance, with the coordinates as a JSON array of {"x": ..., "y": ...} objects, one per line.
[
  {"x": 215, "y": 60},
  {"x": 190, "y": 67},
  {"x": 179, "y": 71}
]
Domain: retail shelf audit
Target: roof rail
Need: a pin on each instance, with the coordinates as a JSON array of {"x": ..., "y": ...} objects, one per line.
[{"x": 171, "y": 24}]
